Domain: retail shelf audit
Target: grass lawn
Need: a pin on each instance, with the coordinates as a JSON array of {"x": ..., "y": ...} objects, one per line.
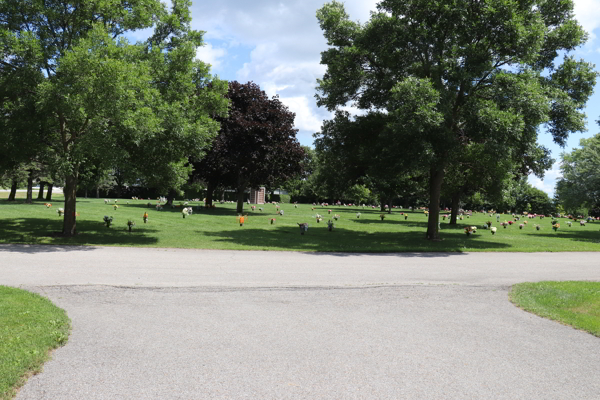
[
  {"x": 571, "y": 303},
  {"x": 30, "y": 326},
  {"x": 218, "y": 229}
]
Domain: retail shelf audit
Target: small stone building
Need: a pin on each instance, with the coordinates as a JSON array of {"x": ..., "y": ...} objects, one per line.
[{"x": 257, "y": 196}]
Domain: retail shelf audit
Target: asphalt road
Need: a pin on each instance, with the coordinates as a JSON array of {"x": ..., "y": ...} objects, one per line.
[{"x": 191, "y": 324}]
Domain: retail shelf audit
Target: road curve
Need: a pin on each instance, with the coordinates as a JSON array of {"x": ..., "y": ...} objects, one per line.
[{"x": 195, "y": 324}]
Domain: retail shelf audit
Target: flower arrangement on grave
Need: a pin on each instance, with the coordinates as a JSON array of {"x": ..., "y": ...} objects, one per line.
[
  {"x": 357, "y": 215},
  {"x": 108, "y": 220},
  {"x": 319, "y": 218},
  {"x": 582, "y": 223},
  {"x": 253, "y": 208},
  {"x": 280, "y": 212},
  {"x": 521, "y": 226},
  {"x": 105, "y": 201},
  {"x": 241, "y": 220},
  {"x": 569, "y": 223},
  {"x": 145, "y": 217},
  {"x": 48, "y": 205},
  {"x": 130, "y": 224},
  {"x": 260, "y": 209},
  {"x": 525, "y": 222},
  {"x": 489, "y": 224},
  {"x": 330, "y": 225},
  {"x": 541, "y": 217},
  {"x": 328, "y": 211},
  {"x": 60, "y": 212},
  {"x": 510, "y": 222},
  {"x": 272, "y": 221},
  {"x": 336, "y": 217},
  {"x": 470, "y": 229},
  {"x": 295, "y": 205},
  {"x": 303, "y": 227},
  {"x": 537, "y": 227},
  {"x": 115, "y": 206},
  {"x": 382, "y": 216},
  {"x": 493, "y": 229},
  {"x": 555, "y": 226},
  {"x": 405, "y": 216},
  {"x": 116, "y": 200}
]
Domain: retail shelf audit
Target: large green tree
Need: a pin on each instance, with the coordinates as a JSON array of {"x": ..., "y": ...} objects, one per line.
[
  {"x": 476, "y": 72},
  {"x": 579, "y": 186},
  {"x": 102, "y": 98}
]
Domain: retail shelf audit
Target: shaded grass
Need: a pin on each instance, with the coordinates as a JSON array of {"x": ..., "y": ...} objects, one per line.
[
  {"x": 218, "y": 229},
  {"x": 30, "y": 326},
  {"x": 571, "y": 303}
]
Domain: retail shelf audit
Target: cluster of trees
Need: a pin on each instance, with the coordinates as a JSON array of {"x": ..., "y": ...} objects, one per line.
[
  {"x": 89, "y": 108},
  {"x": 451, "y": 95},
  {"x": 579, "y": 188}
]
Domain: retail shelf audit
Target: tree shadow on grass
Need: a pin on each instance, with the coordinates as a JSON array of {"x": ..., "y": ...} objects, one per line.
[
  {"x": 587, "y": 235},
  {"x": 47, "y": 232},
  {"x": 387, "y": 221},
  {"x": 342, "y": 240},
  {"x": 197, "y": 209}
]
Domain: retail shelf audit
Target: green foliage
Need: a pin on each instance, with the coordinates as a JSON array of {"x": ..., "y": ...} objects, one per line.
[
  {"x": 579, "y": 186},
  {"x": 31, "y": 326},
  {"x": 100, "y": 101},
  {"x": 572, "y": 303},
  {"x": 453, "y": 74}
]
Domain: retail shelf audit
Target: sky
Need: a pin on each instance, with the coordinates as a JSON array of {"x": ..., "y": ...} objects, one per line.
[{"x": 278, "y": 43}]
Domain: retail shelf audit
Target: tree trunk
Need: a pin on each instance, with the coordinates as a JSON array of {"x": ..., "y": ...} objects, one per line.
[
  {"x": 454, "y": 213},
  {"x": 29, "y": 187},
  {"x": 210, "y": 189},
  {"x": 240, "y": 198},
  {"x": 69, "y": 222},
  {"x": 97, "y": 192},
  {"x": 49, "y": 192},
  {"x": 41, "y": 192},
  {"x": 13, "y": 190},
  {"x": 391, "y": 199},
  {"x": 435, "y": 188}
]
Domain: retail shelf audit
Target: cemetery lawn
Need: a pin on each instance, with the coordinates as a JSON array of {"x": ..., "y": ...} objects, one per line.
[
  {"x": 30, "y": 326},
  {"x": 218, "y": 228},
  {"x": 571, "y": 303}
]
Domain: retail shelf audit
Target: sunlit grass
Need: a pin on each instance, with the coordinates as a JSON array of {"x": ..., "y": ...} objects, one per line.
[
  {"x": 218, "y": 228},
  {"x": 572, "y": 303},
  {"x": 30, "y": 326}
]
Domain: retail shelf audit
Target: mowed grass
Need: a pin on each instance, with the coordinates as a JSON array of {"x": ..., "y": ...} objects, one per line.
[
  {"x": 571, "y": 303},
  {"x": 30, "y": 326},
  {"x": 218, "y": 229}
]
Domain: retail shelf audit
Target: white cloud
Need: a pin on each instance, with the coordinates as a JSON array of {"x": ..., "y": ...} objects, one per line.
[
  {"x": 305, "y": 120},
  {"x": 547, "y": 184},
  {"x": 587, "y": 13},
  {"x": 211, "y": 55}
]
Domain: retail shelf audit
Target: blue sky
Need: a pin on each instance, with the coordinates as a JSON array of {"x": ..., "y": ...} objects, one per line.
[{"x": 277, "y": 44}]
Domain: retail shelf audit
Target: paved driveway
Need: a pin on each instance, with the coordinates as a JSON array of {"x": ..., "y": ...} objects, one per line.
[{"x": 190, "y": 324}]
